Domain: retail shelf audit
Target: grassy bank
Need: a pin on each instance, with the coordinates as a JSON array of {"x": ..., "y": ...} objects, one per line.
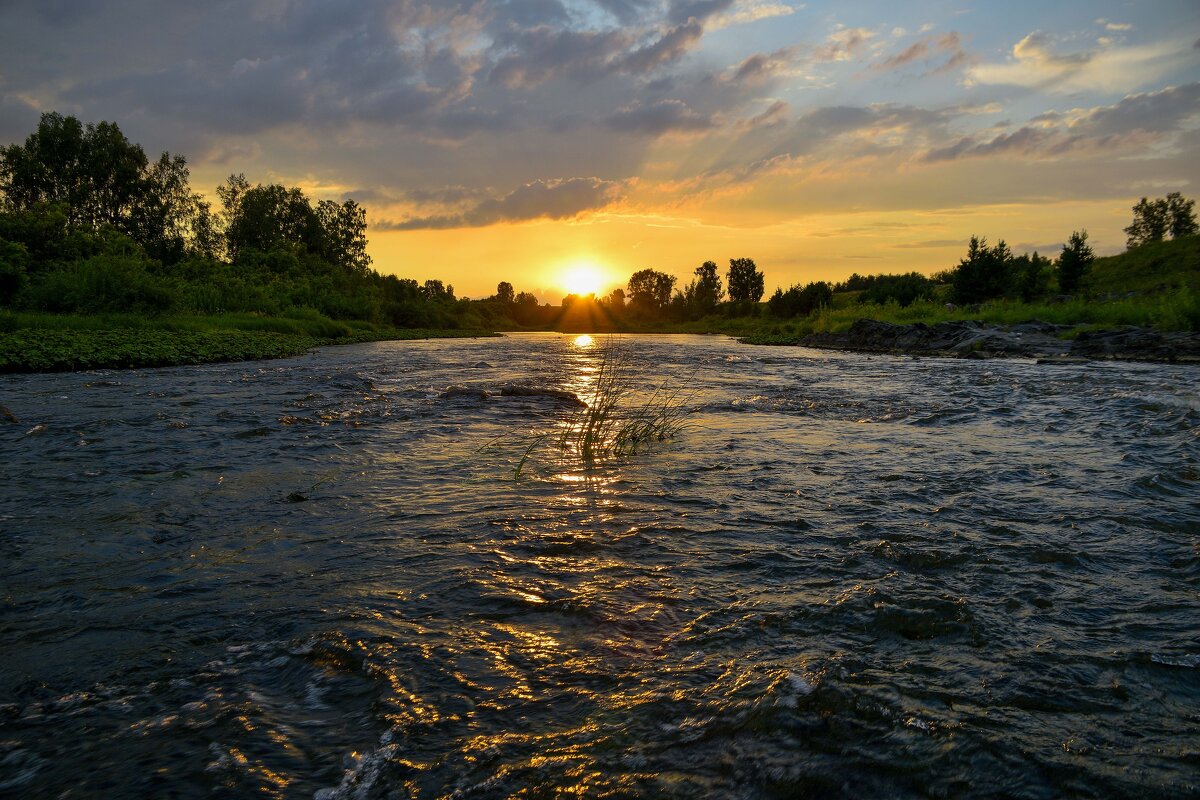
[
  {"x": 33, "y": 342},
  {"x": 1153, "y": 286},
  {"x": 1176, "y": 310}
]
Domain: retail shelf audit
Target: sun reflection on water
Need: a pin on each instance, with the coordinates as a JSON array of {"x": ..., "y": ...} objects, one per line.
[{"x": 583, "y": 340}]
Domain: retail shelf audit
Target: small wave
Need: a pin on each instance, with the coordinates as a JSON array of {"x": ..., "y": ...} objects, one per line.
[{"x": 1189, "y": 660}]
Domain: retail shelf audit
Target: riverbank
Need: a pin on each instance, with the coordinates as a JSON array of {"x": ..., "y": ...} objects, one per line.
[
  {"x": 63, "y": 343},
  {"x": 975, "y": 339}
]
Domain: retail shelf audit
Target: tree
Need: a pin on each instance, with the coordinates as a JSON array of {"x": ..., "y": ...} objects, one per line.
[
  {"x": 1151, "y": 222},
  {"x": 48, "y": 168},
  {"x": 615, "y": 300},
  {"x": 1032, "y": 276},
  {"x": 745, "y": 281},
  {"x": 1075, "y": 262},
  {"x": 706, "y": 291},
  {"x": 1180, "y": 215},
  {"x": 903, "y": 289},
  {"x": 436, "y": 290},
  {"x": 504, "y": 293},
  {"x": 102, "y": 179},
  {"x": 797, "y": 301},
  {"x": 525, "y": 308},
  {"x": 344, "y": 235},
  {"x": 985, "y": 273},
  {"x": 264, "y": 217},
  {"x": 14, "y": 267},
  {"x": 168, "y": 219},
  {"x": 650, "y": 291}
]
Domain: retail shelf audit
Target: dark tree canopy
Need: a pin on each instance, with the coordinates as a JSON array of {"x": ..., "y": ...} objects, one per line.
[
  {"x": 344, "y": 235},
  {"x": 902, "y": 289},
  {"x": 101, "y": 179},
  {"x": 1032, "y": 276},
  {"x": 704, "y": 294},
  {"x": 504, "y": 292},
  {"x": 745, "y": 281},
  {"x": 985, "y": 273},
  {"x": 264, "y": 217},
  {"x": 1075, "y": 262},
  {"x": 1155, "y": 220},
  {"x": 798, "y": 301},
  {"x": 650, "y": 291},
  {"x": 436, "y": 290}
]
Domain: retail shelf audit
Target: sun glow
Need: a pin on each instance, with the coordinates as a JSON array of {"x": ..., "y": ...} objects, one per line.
[{"x": 583, "y": 277}]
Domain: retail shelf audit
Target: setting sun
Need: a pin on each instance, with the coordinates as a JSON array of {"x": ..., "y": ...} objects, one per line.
[{"x": 583, "y": 277}]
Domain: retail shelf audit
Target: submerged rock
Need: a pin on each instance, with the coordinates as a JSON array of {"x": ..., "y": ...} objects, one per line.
[
  {"x": 460, "y": 390},
  {"x": 521, "y": 390}
]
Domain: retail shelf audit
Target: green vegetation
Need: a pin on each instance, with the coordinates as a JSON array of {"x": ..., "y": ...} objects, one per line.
[
  {"x": 91, "y": 228},
  {"x": 38, "y": 342},
  {"x": 96, "y": 238}
]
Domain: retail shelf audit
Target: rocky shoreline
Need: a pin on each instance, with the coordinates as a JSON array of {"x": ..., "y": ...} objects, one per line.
[{"x": 1040, "y": 340}]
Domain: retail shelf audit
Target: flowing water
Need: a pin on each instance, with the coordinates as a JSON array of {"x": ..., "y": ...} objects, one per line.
[{"x": 851, "y": 576}]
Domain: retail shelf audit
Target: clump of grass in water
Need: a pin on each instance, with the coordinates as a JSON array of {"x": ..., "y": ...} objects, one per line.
[{"x": 608, "y": 425}]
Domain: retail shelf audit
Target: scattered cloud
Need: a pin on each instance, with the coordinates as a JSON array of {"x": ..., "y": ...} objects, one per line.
[
  {"x": 744, "y": 13},
  {"x": 946, "y": 49},
  {"x": 843, "y": 45},
  {"x": 762, "y": 67},
  {"x": 555, "y": 199},
  {"x": 659, "y": 119},
  {"x": 1146, "y": 117},
  {"x": 1111, "y": 67}
]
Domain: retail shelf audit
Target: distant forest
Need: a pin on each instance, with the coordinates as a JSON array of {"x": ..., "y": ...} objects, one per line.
[{"x": 90, "y": 225}]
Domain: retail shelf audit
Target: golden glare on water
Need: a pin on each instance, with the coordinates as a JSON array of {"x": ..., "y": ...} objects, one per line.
[
  {"x": 583, "y": 340},
  {"x": 583, "y": 277}
]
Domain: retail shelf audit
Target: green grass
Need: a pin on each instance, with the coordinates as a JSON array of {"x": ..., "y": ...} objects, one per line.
[
  {"x": 1154, "y": 286},
  {"x": 1156, "y": 267},
  {"x": 39, "y": 342},
  {"x": 1171, "y": 311}
]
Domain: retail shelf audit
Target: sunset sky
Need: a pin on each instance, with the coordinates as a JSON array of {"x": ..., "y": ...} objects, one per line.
[{"x": 519, "y": 140}]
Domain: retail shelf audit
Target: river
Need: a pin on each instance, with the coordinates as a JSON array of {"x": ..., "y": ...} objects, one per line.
[{"x": 848, "y": 576}]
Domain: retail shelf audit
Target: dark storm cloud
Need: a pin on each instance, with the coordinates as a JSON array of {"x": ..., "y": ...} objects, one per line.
[{"x": 556, "y": 199}]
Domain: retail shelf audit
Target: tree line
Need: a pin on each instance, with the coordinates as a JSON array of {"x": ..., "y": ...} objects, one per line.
[
  {"x": 89, "y": 224},
  {"x": 985, "y": 273}
]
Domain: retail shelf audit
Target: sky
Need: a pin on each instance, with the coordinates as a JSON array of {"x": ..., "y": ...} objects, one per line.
[{"x": 524, "y": 140}]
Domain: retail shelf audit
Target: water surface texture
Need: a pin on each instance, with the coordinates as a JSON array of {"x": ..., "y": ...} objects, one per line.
[{"x": 852, "y": 576}]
